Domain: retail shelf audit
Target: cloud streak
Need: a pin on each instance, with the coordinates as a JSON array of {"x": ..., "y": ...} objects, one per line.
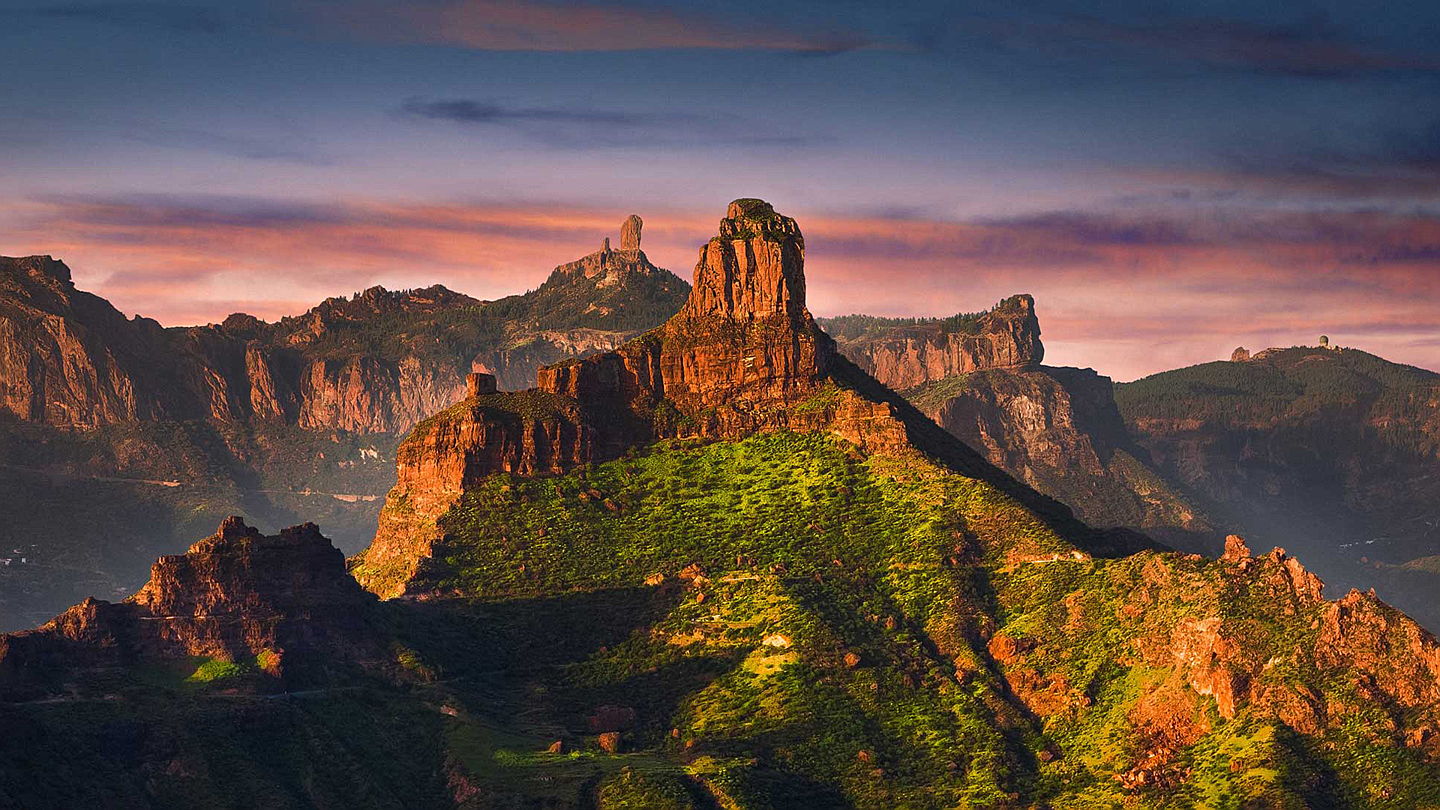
[
  {"x": 1310, "y": 48},
  {"x": 591, "y": 128}
]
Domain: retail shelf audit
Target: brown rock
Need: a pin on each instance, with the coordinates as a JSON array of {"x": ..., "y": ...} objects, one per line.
[
  {"x": 1240, "y": 355},
  {"x": 610, "y": 742},
  {"x": 237, "y": 595},
  {"x": 1235, "y": 549},
  {"x": 557, "y": 747},
  {"x": 1007, "y": 337}
]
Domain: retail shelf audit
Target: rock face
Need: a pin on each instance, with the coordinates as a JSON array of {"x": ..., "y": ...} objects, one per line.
[
  {"x": 1057, "y": 429},
  {"x": 284, "y": 601},
  {"x": 904, "y": 353},
  {"x": 163, "y": 431},
  {"x": 368, "y": 363}
]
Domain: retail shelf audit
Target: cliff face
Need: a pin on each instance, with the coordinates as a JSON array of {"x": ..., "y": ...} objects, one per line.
[
  {"x": 1058, "y": 429},
  {"x": 903, "y": 353},
  {"x": 377, "y": 362},
  {"x": 284, "y": 602},
  {"x": 121, "y": 440}
]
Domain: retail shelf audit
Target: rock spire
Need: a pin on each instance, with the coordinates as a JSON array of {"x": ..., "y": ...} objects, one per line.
[{"x": 630, "y": 232}]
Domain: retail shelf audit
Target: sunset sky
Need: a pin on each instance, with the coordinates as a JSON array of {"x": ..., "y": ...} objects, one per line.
[{"x": 1168, "y": 184}]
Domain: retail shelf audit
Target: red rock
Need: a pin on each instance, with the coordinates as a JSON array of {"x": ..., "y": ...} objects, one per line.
[
  {"x": 610, "y": 742},
  {"x": 904, "y": 357}
]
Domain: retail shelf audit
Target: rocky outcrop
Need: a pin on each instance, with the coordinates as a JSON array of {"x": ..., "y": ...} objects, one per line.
[
  {"x": 904, "y": 353},
  {"x": 740, "y": 352},
  {"x": 282, "y": 602}
]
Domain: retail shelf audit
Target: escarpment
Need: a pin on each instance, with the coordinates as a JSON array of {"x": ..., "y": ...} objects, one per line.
[
  {"x": 907, "y": 352},
  {"x": 980, "y": 377}
]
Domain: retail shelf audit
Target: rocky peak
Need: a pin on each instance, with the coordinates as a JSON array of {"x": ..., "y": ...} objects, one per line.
[
  {"x": 39, "y": 268},
  {"x": 754, "y": 268}
]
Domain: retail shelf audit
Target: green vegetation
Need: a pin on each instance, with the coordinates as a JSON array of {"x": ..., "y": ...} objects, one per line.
[{"x": 213, "y": 669}]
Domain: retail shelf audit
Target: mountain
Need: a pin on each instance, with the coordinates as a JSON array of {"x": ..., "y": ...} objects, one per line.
[
  {"x": 1330, "y": 451},
  {"x": 979, "y": 375},
  {"x": 376, "y": 362},
  {"x": 720, "y": 566},
  {"x": 121, "y": 439}
]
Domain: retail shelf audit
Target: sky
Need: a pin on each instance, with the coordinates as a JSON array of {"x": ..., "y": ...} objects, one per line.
[{"x": 1170, "y": 180}]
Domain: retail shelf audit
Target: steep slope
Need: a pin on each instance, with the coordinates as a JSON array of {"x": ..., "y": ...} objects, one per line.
[
  {"x": 979, "y": 376},
  {"x": 1331, "y": 452},
  {"x": 120, "y": 439}
]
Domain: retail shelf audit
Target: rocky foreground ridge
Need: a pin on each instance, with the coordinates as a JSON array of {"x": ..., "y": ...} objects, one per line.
[{"x": 282, "y": 602}]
